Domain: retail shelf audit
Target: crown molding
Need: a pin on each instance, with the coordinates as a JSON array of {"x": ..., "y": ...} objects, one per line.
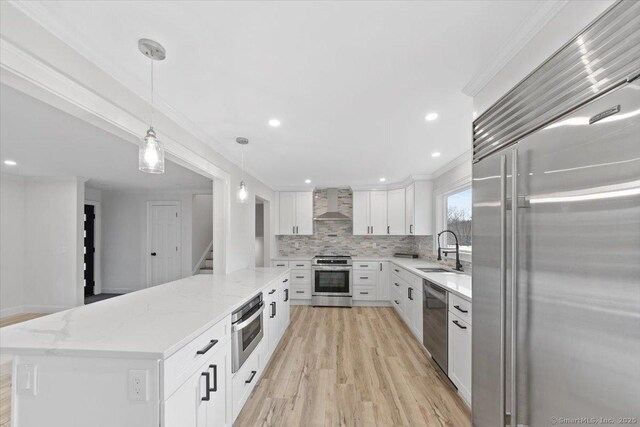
[
  {"x": 461, "y": 159},
  {"x": 38, "y": 14},
  {"x": 544, "y": 12}
]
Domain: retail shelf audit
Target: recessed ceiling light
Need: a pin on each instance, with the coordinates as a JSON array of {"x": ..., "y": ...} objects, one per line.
[
  {"x": 383, "y": 179},
  {"x": 10, "y": 163},
  {"x": 274, "y": 123},
  {"x": 307, "y": 181},
  {"x": 431, "y": 117},
  {"x": 436, "y": 154}
]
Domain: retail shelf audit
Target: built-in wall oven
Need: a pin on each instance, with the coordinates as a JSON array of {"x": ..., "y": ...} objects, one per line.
[
  {"x": 247, "y": 329},
  {"x": 332, "y": 281}
]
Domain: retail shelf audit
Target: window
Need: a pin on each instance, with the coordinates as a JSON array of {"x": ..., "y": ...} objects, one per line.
[{"x": 458, "y": 218}]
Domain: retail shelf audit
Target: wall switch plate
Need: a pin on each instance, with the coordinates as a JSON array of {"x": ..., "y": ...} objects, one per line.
[
  {"x": 27, "y": 379},
  {"x": 297, "y": 245},
  {"x": 375, "y": 245},
  {"x": 138, "y": 384}
]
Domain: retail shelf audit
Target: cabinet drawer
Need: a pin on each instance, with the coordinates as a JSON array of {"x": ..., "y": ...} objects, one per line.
[
  {"x": 244, "y": 381},
  {"x": 180, "y": 365},
  {"x": 280, "y": 264},
  {"x": 460, "y": 307},
  {"x": 366, "y": 265},
  {"x": 300, "y": 292},
  {"x": 300, "y": 277},
  {"x": 397, "y": 302},
  {"x": 364, "y": 293},
  {"x": 414, "y": 281},
  {"x": 305, "y": 265},
  {"x": 365, "y": 277}
]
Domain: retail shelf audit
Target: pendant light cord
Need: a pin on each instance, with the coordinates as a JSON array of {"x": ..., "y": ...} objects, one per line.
[
  {"x": 242, "y": 161},
  {"x": 151, "y": 93}
]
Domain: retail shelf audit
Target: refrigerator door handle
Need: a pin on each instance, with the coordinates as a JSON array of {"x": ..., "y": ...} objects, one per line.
[
  {"x": 503, "y": 285},
  {"x": 514, "y": 287}
]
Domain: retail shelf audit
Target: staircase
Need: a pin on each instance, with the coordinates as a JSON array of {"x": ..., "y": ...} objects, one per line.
[{"x": 206, "y": 266}]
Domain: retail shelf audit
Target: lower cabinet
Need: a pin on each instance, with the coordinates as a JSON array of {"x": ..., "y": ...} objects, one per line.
[
  {"x": 460, "y": 355},
  {"x": 244, "y": 381},
  {"x": 413, "y": 310},
  {"x": 201, "y": 400}
]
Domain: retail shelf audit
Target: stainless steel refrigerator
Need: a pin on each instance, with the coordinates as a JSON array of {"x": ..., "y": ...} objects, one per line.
[{"x": 566, "y": 255}]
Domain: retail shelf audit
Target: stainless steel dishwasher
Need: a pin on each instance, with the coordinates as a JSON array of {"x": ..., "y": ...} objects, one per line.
[{"x": 434, "y": 322}]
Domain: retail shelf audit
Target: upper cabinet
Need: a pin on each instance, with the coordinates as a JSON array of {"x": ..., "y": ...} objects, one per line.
[
  {"x": 296, "y": 213},
  {"x": 395, "y": 212},
  {"x": 419, "y": 209},
  {"x": 370, "y": 213}
]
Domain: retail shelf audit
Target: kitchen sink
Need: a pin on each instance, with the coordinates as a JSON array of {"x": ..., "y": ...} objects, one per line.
[{"x": 434, "y": 270}]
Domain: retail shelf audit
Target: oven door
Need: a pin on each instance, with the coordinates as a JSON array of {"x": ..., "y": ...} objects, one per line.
[
  {"x": 247, "y": 334},
  {"x": 335, "y": 281}
]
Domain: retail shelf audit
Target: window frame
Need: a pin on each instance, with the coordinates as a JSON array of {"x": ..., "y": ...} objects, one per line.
[{"x": 445, "y": 216}]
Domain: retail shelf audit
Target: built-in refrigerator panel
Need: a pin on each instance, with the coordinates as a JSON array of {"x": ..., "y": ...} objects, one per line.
[{"x": 578, "y": 268}]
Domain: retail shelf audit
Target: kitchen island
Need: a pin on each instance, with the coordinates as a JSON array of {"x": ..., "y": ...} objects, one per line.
[{"x": 126, "y": 361}]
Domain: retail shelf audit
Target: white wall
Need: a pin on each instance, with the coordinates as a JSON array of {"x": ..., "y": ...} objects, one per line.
[
  {"x": 12, "y": 205},
  {"x": 53, "y": 245},
  {"x": 574, "y": 17},
  {"x": 202, "y": 226},
  {"x": 124, "y": 236}
]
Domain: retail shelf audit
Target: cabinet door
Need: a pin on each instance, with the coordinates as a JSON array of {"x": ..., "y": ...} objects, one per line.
[
  {"x": 287, "y": 212},
  {"x": 273, "y": 321},
  {"x": 410, "y": 200},
  {"x": 383, "y": 281},
  {"x": 285, "y": 303},
  {"x": 361, "y": 209},
  {"x": 423, "y": 208},
  {"x": 378, "y": 212},
  {"x": 396, "y": 212},
  {"x": 304, "y": 213},
  {"x": 216, "y": 406},
  {"x": 415, "y": 314},
  {"x": 460, "y": 355}
]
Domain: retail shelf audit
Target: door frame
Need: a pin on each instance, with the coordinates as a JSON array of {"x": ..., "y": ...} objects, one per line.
[
  {"x": 97, "y": 242},
  {"x": 150, "y": 204}
]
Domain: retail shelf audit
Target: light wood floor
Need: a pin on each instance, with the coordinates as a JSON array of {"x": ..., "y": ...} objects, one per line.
[
  {"x": 5, "y": 370},
  {"x": 351, "y": 367}
]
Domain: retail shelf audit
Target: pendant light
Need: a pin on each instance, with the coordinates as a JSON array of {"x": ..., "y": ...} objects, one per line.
[
  {"x": 243, "y": 193},
  {"x": 151, "y": 151}
]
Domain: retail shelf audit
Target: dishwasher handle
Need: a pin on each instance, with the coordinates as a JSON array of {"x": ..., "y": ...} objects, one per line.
[{"x": 434, "y": 290}]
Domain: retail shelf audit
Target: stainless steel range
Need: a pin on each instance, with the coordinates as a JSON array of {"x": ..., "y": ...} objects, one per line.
[{"x": 332, "y": 281}]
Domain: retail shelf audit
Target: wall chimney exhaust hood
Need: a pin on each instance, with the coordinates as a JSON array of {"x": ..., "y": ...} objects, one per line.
[{"x": 332, "y": 213}]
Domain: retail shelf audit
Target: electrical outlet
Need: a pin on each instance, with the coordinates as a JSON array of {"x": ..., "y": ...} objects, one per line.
[
  {"x": 297, "y": 245},
  {"x": 27, "y": 379},
  {"x": 375, "y": 245},
  {"x": 138, "y": 384}
]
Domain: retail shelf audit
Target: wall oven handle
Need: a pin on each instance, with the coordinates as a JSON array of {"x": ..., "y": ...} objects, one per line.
[
  {"x": 241, "y": 325},
  {"x": 503, "y": 286},
  {"x": 208, "y": 347},
  {"x": 514, "y": 288}
]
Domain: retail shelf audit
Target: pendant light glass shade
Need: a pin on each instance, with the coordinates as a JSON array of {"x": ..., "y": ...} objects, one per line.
[
  {"x": 243, "y": 193},
  {"x": 151, "y": 153}
]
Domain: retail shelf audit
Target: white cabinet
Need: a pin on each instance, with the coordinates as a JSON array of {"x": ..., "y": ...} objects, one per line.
[
  {"x": 406, "y": 296},
  {"x": 285, "y": 304},
  {"x": 396, "y": 212},
  {"x": 370, "y": 213},
  {"x": 418, "y": 209},
  {"x": 414, "y": 310},
  {"x": 383, "y": 281},
  {"x": 271, "y": 321},
  {"x": 201, "y": 400},
  {"x": 296, "y": 213},
  {"x": 460, "y": 355}
]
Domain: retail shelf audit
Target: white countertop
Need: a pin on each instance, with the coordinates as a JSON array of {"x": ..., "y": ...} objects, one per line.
[
  {"x": 151, "y": 323},
  {"x": 457, "y": 283}
]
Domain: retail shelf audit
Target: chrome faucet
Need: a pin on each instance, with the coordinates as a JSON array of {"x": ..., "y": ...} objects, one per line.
[{"x": 457, "y": 251}]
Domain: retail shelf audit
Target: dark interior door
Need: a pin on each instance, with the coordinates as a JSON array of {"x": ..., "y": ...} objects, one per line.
[{"x": 89, "y": 249}]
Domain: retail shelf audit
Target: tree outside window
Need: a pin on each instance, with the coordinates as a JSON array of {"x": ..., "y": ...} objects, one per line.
[{"x": 458, "y": 207}]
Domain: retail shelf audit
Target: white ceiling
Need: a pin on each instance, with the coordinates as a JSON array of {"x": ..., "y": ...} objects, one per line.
[
  {"x": 351, "y": 82},
  {"x": 46, "y": 142}
]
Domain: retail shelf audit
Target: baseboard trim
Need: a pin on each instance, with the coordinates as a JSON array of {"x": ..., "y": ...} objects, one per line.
[
  {"x": 355, "y": 303},
  {"x": 119, "y": 290},
  {"x": 11, "y": 311}
]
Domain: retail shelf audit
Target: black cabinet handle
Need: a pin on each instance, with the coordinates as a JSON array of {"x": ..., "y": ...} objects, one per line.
[
  {"x": 459, "y": 325},
  {"x": 294, "y": 230},
  {"x": 396, "y": 283},
  {"x": 215, "y": 378},
  {"x": 207, "y": 388},
  {"x": 380, "y": 266},
  {"x": 297, "y": 231},
  {"x": 396, "y": 270},
  {"x": 388, "y": 229},
  {"x": 364, "y": 277},
  {"x": 364, "y": 293},
  {"x": 273, "y": 310},
  {"x": 459, "y": 309},
  {"x": 299, "y": 292},
  {"x": 286, "y": 295},
  {"x": 153, "y": 254},
  {"x": 410, "y": 294},
  {"x": 364, "y": 265},
  {"x": 299, "y": 277},
  {"x": 279, "y": 265},
  {"x": 410, "y": 228},
  {"x": 396, "y": 301},
  {"x": 299, "y": 265},
  {"x": 207, "y": 347},
  {"x": 285, "y": 280},
  {"x": 253, "y": 374},
  {"x": 272, "y": 292}
]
